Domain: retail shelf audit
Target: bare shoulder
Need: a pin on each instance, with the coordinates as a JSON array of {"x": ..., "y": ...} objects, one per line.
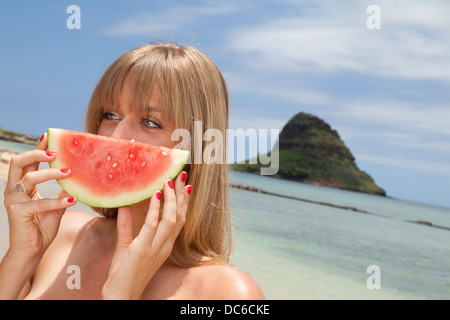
[
  {"x": 74, "y": 222},
  {"x": 77, "y": 217},
  {"x": 76, "y": 229},
  {"x": 225, "y": 282}
]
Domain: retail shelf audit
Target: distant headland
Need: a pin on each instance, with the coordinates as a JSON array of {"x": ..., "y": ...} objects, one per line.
[
  {"x": 18, "y": 137},
  {"x": 311, "y": 151}
]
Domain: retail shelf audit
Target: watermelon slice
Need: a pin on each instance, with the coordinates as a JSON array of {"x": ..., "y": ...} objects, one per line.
[{"x": 111, "y": 172}]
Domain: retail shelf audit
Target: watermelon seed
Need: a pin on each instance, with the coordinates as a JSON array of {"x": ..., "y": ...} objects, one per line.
[
  {"x": 143, "y": 164},
  {"x": 164, "y": 153},
  {"x": 75, "y": 142},
  {"x": 110, "y": 176},
  {"x": 114, "y": 165},
  {"x": 132, "y": 140},
  {"x": 108, "y": 158}
]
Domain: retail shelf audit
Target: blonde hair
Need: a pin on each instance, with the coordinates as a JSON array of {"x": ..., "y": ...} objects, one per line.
[{"x": 191, "y": 88}]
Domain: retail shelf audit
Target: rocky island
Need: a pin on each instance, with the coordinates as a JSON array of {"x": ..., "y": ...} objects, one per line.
[{"x": 311, "y": 151}]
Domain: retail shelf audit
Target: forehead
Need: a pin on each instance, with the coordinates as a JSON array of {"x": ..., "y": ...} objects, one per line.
[
  {"x": 140, "y": 100},
  {"x": 148, "y": 82}
]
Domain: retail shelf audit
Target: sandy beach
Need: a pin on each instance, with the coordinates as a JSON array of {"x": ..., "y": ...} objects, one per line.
[
  {"x": 5, "y": 157},
  {"x": 3, "y": 222}
]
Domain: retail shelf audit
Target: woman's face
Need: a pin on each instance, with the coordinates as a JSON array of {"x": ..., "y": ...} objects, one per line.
[{"x": 122, "y": 121}]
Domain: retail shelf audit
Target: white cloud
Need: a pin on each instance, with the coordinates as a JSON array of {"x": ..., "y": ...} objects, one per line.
[
  {"x": 413, "y": 42},
  {"x": 397, "y": 134},
  {"x": 399, "y": 115},
  {"x": 278, "y": 55},
  {"x": 282, "y": 88},
  {"x": 434, "y": 166},
  {"x": 173, "y": 19}
]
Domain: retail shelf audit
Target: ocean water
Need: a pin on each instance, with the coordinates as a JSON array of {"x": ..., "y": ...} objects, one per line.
[
  {"x": 301, "y": 250},
  {"x": 14, "y": 146}
]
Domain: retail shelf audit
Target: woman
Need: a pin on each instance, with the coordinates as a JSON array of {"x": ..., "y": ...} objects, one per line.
[{"x": 171, "y": 247}]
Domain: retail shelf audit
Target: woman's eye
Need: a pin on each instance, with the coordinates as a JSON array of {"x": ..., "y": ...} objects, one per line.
[
  {"x": 150, "y": 123},
  {"x": 110, "y": 116}
]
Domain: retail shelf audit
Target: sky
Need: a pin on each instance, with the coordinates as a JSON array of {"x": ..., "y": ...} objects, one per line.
[{"x": 380, "y": 78}]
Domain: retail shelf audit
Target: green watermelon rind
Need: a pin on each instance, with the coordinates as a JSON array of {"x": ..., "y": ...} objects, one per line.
[{"x": 77, "y": 190}]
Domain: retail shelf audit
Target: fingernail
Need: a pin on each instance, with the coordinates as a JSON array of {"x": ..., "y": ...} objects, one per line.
[
  {"x": 170, "y": 183},
  {"x": 189, "y": 189},
  {"x": 49, "y": 153},
  {"x": 158, "y": 195},
  {"x": 65, "y": 170},
  {"x": 42, "y": 137},
  {"x": 71, "y": 200},
  {"x": 183, "y": 176}
]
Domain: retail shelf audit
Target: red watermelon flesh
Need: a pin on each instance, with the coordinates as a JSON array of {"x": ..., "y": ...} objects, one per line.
[{"x": 110, "y": 172}]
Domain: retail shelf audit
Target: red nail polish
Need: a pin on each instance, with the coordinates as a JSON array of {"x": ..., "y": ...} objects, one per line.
[
  {"x": 183, "y": 176},
  {"x": 189, "y": 189},
  {"x": 170, "y": 183},
  {"x": 42, "y": 137},
  {"x": 49, "y": 153},
  {"x": 71, "y": 200},
  {"x": 65, "y": 170},
  {"x": 158, "y": 195}
]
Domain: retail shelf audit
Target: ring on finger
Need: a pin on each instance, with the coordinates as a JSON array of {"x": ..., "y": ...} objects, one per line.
[{"x": 20, "y": 188}]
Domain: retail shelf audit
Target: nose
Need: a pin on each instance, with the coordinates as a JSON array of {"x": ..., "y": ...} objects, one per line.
[{"x": 123, "y": 130}]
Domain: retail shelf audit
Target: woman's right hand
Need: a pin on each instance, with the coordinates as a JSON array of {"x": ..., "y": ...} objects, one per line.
[{"x": 33, "y": 221}]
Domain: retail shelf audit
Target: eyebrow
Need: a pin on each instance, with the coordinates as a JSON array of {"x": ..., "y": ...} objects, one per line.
[{"x": 153, "y": 109}]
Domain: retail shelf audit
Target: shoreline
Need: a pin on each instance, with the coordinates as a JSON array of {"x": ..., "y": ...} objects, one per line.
[
  {"x": 262, "y": 191},
  {"x": 314, "y": 183}
]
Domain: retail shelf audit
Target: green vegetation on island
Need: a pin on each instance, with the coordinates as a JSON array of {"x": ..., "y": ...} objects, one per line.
[
  {"x": 18, "y": 137},
  {"x": 311, "y": 151}
]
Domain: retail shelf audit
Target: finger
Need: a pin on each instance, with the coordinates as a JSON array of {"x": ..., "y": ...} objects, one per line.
[
  {"x": 169, "y": 216},
  {"x": 124, "y": 227},
  {"x": 180, "y": 180},
  {"x": 62, "y": 194},
  {"x": 41, "y": 145},
  {"x": 19, "y": 162},
  {"x": 180, "y": 193},
  {"x": 182, "y": 208},
  {"x": 33, "y": 178},
  {"x": 150, "y": 226},
  {"x": 187, "y": 197},
  {"x": 32, "y": 207}
]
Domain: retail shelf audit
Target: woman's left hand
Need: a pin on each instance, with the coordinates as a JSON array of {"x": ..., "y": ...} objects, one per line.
[{"x": 135, "y": 261}]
